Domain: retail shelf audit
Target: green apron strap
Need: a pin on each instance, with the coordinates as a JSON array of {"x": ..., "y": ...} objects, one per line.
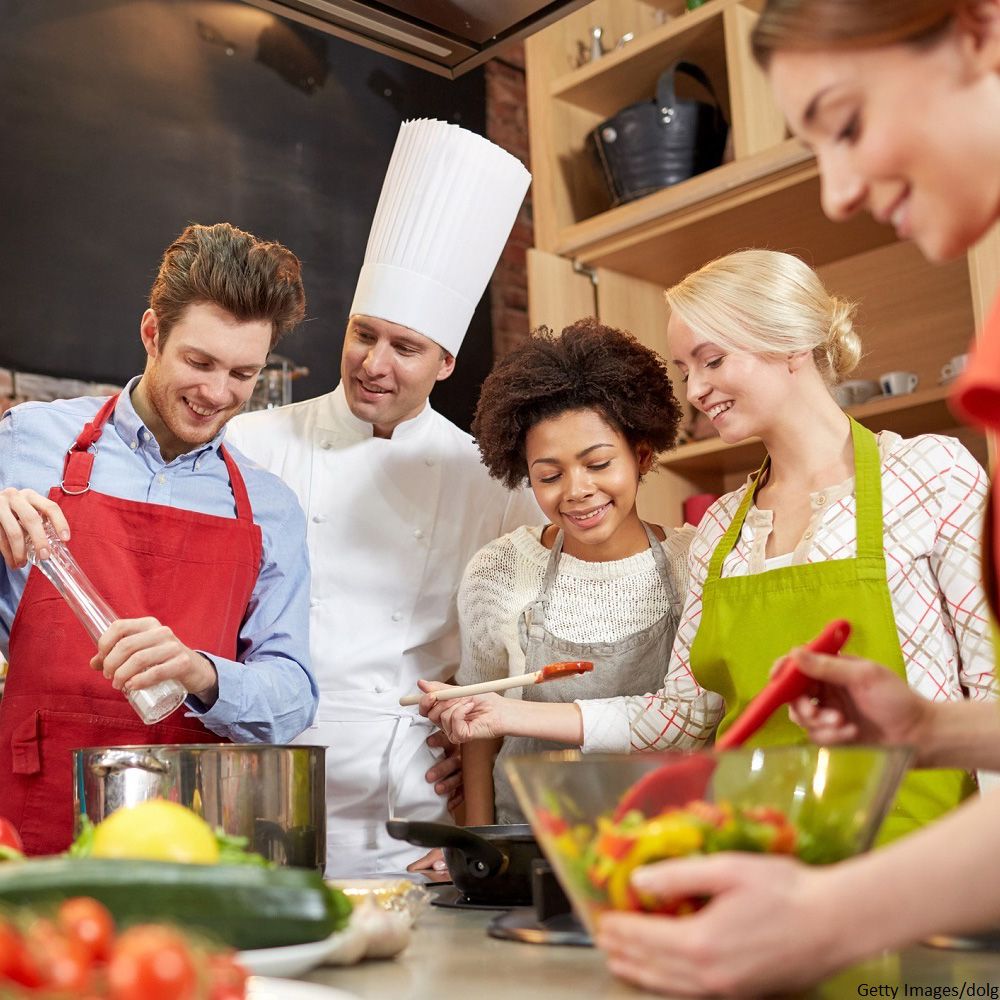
[
  {"x": 868, "y": 492},
  {"x": 728, "y": 541}
]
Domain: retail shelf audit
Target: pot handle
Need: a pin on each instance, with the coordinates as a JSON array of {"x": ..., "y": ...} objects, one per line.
[
  {"x": 483, "y": 858},
  {"x": 113, "y": 761}
]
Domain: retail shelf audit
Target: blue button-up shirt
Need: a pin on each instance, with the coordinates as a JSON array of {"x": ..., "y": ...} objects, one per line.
[{"x": 270, "y": 695}]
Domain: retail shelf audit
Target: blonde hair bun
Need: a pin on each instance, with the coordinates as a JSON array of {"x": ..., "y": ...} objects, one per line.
[{"x": 843, "y": 347}]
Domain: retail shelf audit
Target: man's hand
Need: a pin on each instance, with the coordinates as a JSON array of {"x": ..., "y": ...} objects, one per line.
[
  {"x": 478, "y": 717},
  {"x": 446, "y": 774},
  {"x": 858, "y": 701},
  {"x": 136, "y": 653},
  {"x": 432, "y": 864},
  {"x": 23, "y": 513}
]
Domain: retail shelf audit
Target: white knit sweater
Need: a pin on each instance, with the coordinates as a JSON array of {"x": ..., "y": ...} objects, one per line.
[{"x": 589, "y": 601}]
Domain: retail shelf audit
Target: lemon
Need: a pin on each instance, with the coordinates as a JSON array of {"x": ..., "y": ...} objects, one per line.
[{"x": 156, "y": 830}]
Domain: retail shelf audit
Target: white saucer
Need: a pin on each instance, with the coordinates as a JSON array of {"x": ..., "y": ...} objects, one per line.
[
  {"x": 259, "y": 988},
  {"x": 291, "y": 960}
]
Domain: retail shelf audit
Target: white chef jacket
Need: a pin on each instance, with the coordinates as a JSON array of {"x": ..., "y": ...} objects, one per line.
[{"x": 392, "y": 524}]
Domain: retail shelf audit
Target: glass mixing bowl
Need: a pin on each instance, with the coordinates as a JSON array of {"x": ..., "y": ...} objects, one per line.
[{"x": 821, "y": 804}]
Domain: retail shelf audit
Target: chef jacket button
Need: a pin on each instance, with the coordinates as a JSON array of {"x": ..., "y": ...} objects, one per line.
[
  {"x": 319, "y": 518},
  {"x": 380, "y": 689},
  {"x": 397, "y": 616},
  {"x": 418, "y": 533},
  {"x": 429, "y": 461},
  {"x": 326, "y": 445}
]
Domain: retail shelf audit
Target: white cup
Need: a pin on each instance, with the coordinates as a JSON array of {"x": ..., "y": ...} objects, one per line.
[
  {"x": 855, "y": 391},
  {"x": 954, "y": 367},
  {"x": 898, "y": 383}
]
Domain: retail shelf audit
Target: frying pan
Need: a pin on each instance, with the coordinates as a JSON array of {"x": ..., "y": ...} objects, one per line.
[{"x": 488, "y": 864}]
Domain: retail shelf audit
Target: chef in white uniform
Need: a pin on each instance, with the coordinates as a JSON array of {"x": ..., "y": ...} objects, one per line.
[{"x": 396, "y": 497}]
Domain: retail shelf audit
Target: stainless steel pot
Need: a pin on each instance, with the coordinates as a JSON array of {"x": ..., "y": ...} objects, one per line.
[{"x": 273, "y": 795}]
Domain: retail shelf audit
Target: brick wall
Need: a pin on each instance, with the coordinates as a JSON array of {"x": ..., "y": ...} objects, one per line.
[{"x": 507, "y": 126}]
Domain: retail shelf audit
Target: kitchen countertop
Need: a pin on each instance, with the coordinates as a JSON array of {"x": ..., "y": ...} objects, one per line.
[{"x": 452, "y": 956}]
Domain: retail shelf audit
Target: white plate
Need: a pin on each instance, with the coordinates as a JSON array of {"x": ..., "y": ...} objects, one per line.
[
  {"x": 291, "y": 960},
  {"x": 259, "y": 988}
]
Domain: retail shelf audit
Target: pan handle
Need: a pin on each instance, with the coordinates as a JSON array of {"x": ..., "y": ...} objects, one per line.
[{"x": 484, "y": 859}]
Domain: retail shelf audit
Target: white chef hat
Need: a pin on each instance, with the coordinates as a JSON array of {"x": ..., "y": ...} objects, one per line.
[{"x": 448, "y": 203}]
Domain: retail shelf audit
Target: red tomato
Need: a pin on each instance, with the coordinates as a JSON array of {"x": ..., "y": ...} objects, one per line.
[
  {"x": 64, "y": 963},
  {"x": 9, "y": 838},
  {"x": 152, "y": 963},
  {"x": 16, "y": 963},
  {"x": 88, "y": 922},
  {"x": 227, "y": 978}
]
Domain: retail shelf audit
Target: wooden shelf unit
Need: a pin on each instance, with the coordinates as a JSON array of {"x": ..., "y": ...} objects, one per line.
[{"x": 913, "y": 316}]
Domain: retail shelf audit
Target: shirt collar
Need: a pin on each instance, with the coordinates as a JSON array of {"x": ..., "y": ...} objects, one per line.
[
  {"x": 361, "y": 429},
  {"x": 130, "y": 428}
]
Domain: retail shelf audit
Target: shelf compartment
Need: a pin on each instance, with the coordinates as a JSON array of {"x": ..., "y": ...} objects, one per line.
[
  {"x": 629, "y": 74},
  {"x": 769, "y": 200}
]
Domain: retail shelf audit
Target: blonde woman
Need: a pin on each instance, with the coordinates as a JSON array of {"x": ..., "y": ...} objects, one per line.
[{"x": 838, "y": 522}]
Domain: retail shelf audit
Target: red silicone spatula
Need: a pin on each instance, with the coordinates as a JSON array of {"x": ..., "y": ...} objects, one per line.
[
  {"x": 682, "y": 780},
  {"x": 786, "y": 684}
]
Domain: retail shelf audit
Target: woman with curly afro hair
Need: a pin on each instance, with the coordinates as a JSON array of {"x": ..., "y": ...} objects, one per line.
[{"x": 581, "y": 416}]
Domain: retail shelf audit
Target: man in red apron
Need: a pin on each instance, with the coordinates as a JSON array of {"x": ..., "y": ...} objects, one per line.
[{"x": 202, "y": 557}]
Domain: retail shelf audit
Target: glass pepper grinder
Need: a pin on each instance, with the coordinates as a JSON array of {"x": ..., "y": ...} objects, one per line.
[{"x": 64, "y": 573}]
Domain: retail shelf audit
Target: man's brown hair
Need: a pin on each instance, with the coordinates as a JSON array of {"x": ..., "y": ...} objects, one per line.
[{"x": 222, "y": 265}]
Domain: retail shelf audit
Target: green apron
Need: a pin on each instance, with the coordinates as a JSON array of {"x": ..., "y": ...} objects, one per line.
[{"x": 748, "y": 622}]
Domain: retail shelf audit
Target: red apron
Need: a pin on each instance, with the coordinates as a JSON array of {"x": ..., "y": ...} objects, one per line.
[{"x": 194, "y": 572}]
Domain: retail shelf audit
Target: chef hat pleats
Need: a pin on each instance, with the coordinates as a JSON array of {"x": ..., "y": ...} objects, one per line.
[{"x": 448, "y": 204}]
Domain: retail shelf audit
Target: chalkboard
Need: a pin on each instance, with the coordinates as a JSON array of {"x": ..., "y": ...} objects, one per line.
[{"x": 124, "y": 121}]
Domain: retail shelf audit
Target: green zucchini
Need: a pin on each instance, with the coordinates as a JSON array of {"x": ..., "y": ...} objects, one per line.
[{"x": 244, "y": 907}]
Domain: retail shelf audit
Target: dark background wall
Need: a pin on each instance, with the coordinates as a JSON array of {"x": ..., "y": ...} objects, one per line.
[{"x": 124, "y": 120}]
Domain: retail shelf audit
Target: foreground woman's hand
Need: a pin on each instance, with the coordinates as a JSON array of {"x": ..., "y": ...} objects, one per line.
[
  {"x": 768, "y": 927},
  {"x": 479, "y": 717},
  {"x": 858, "y": 701}
]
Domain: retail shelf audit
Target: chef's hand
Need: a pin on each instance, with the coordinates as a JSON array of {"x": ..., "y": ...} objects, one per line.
[
  {"x": 136, "y": 653},
  {"x": 764, "y": 929},
  {"x": 858, "y": 701},
  {"x": 23, "y": 512},
  {"x": 446, "y": 774},
  {"x": 432, "y": 864},
  {"x": 477, "y": 717}
]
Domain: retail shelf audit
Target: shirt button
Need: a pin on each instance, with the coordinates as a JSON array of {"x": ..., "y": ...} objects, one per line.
[
  {"x": 134, "y": 445},
  {"x": 808, "y": 534},
  {"x": 418, "y": 533},
  {"x": 161, "y": 479},
  {"x": 821, "y": 499},
  {"x": 397, "y": 616},
  {"x": 314, "y": 602},
  {"x": 326, "y": 445},
  {"x": 319, "y": 518},
  {"x": 429, "y": 461},
  {"x": 380, "y": 689}
]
